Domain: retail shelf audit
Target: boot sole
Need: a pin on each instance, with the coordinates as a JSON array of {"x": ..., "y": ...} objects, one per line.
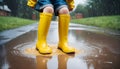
[
  {"x": 66, "y": 52},
  {"x": 42, "y": 53}
]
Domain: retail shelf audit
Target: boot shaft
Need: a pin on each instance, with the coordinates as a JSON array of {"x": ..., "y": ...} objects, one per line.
[
  {"x": 44, "y": 24},
  {"x": 64, "y": 20}
]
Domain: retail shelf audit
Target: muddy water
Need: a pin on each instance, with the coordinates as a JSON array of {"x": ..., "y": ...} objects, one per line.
[{"x": 94, "y": 50}]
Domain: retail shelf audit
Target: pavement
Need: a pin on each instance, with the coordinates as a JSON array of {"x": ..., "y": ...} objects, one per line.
[
  {"x": 8, "y": 35},
  {"x": 96, "y": 48}
]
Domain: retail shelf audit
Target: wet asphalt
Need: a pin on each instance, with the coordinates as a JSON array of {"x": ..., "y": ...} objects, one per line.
[{"x": 96, "y": 48}]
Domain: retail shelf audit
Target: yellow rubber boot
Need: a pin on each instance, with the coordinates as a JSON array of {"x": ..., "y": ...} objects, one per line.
[
  {"x": 43, "y": 27},
  {"x": 64, "y": 20}
]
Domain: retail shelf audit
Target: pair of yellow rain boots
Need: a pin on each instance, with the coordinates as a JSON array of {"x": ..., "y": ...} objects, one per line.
[{"x": 43, "y": 27}]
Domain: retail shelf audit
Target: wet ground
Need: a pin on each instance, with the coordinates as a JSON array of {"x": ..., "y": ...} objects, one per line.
[{"x": 95, "y": 49}]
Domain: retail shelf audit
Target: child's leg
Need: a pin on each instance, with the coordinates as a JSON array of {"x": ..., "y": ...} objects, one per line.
[
  {"x": 48, "y": 10},
  {"x": 64, "y": 10},
  {"x": 64, "y": 19},
  {"x": 43, "y": 27}
]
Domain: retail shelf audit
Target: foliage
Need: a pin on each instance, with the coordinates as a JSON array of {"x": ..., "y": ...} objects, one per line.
[
  {"x": 103, "y": 7},
  {"x": 99, "y": 8},
  {"x": 112, "y": 22},
  {"x": 20, "y": 9},
  {"x": 91, "y": 9},
  {"x": 81, "y": 9}
]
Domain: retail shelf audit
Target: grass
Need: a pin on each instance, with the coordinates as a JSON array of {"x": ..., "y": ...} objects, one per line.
[
  {"x": 110, "y": 22},
  {"x": 13, "y": 22}
]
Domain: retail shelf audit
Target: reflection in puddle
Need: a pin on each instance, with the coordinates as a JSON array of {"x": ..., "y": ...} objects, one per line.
[
  {"x": 61, "y": 62},
  {"x": 77, "y": 63},
  {"x": 56, "y": 60},
  {"x": 42, "y": 62},
  {"x": 3, "y": 61}
]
